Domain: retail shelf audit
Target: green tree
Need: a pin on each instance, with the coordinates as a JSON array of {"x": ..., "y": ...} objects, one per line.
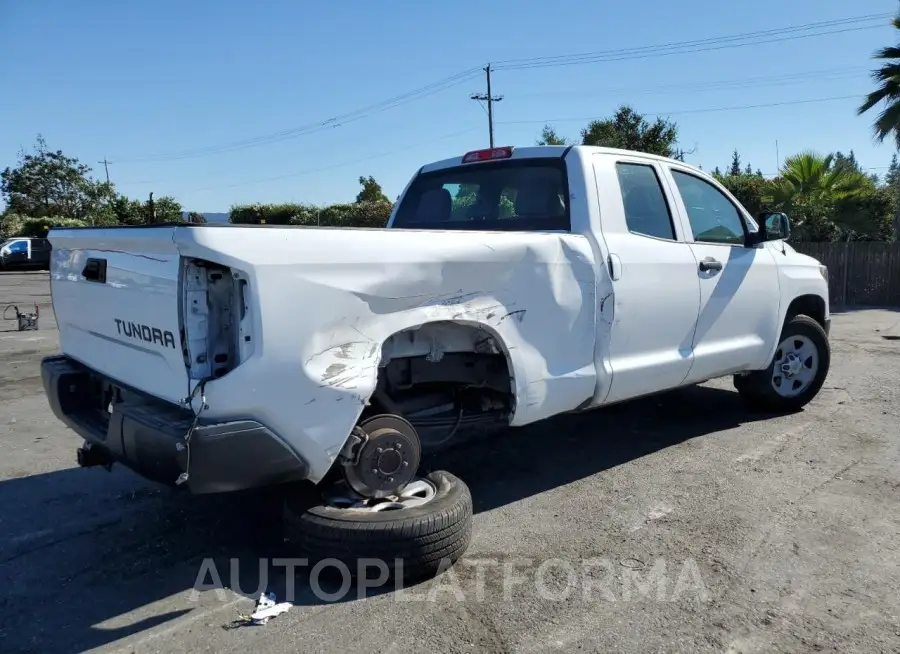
[
  {"x": 735, "y": 168},
  {"x": 550, "y": 137},
  {"x": 887, "y": 77},
  {"x": 164, "y": 210},
  {"x": 48, "y": 183},
  {"x": 809, "y": 188},
  {"x": 892, "y": 185},
  {"x": 630, "y": 130},
  {"x": 127, "y": 211},
  {"x": 847, "y": 162},
  {"x": 753, "y": 192},
  {"x": 371, "y": 191}
]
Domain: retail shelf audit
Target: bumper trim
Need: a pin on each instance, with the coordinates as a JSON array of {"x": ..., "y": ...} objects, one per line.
[{"x": 147, "y": 436}]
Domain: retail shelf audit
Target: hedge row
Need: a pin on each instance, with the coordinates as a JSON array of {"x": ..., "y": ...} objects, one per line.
[
  {"x": 12, "y": 224},
  {"x": 362, "y": 214}
]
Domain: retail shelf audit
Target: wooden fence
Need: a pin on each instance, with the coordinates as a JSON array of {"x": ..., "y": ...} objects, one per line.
[{"x": 861, "y": 273}]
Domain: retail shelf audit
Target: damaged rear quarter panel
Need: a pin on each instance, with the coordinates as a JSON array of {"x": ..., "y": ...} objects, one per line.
[{"x": 329, "y": 298}]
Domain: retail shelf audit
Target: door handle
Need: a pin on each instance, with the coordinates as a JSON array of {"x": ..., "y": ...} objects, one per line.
[{"x": 709, "y": 263}]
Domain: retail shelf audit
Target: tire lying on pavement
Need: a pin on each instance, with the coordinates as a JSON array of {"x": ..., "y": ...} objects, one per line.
[{"x": 413, "y": 542}]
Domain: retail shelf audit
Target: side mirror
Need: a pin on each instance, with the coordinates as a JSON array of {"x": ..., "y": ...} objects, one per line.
[{"x": 776, "y": 226}]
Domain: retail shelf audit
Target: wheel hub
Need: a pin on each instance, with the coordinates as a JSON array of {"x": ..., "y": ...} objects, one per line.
[
  {"x": 796, "y": 365},
  {"x": 388, "y": 459},
  {"x": 792, "y": 366}
]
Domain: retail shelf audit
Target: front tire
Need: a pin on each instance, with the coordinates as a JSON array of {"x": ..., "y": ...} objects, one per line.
[
  {"x": 797, "y": 371},
  {"x": 421, "y": 537}
]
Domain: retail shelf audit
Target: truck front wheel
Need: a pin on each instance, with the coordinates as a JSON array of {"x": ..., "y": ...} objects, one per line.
[
  {"x": 425, "y": 528},
  {"x": 797, "y": 371}
]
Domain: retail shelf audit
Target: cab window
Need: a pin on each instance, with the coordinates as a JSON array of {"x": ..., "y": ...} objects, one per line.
[
  {"x": 646, "y": 210},
  {"x": 713, "y": 217}
]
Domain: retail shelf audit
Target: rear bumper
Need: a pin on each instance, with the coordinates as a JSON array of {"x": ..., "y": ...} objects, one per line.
[{"x": 147, "y": 435}]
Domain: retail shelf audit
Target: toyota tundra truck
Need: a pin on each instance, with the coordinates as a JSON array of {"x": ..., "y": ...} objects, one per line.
[{"x": 511, "y": 285}]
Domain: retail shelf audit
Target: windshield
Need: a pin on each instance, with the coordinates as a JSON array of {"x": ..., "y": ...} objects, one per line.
[{"x": 523, "y": 195}]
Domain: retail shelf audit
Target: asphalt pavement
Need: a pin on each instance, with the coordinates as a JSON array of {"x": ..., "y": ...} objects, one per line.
[{"x": 681, "y": 522}]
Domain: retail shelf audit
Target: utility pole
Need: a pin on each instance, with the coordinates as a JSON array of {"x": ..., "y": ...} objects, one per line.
[
  {"x": 106, "y": 166},
  {"x": 490, "y": 99}
]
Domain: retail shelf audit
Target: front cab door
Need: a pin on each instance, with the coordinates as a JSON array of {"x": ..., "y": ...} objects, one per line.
[{"x": 739, "y": 289}]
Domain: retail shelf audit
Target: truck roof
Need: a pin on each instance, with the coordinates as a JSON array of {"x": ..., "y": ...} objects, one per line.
[{"x": 552, "y": 152}]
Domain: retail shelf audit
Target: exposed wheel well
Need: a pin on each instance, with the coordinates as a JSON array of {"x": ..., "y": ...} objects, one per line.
[
  {"x": 808, "y": 305},
  {"x": 443, "y": 377}
]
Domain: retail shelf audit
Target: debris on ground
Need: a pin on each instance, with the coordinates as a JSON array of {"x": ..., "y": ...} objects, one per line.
[{"x": 267, "y": 608}]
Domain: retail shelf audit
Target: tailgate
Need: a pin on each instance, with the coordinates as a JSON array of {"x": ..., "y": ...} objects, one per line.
[{"x": 116, "y": 296}]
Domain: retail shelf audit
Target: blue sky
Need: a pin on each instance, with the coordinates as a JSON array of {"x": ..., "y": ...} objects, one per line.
[{"x": 144, "y": 83}]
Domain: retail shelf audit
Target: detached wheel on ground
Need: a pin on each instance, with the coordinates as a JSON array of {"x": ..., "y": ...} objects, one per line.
[
  {"x": 426, "y": 526},
  {"x": 797, "y": 372}
]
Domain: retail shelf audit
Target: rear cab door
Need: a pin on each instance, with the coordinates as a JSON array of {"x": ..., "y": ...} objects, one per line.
[
  {"x": 40, "y": 252},
  {"x": 654, "y": 277},
  {"x": 739, "y": 288}
]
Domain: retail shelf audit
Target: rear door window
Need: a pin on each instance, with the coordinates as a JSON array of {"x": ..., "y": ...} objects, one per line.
[
  {"x": 646, "y": 210},
  {"x": 524, "y": 195}
]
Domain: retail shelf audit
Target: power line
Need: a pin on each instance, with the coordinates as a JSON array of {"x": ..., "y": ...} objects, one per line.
[
  {"x": 334, "y": 166},
  {"x": 714, "y": 85},
  {"x": 688, "y": 111},
  {"x": 329, "y": 123},
  {"x": 506, "y": 122},
  {"x": 777, "y": 35},
  {"x": 701, "y": 45},
  {"x": 490, "y": 99}
]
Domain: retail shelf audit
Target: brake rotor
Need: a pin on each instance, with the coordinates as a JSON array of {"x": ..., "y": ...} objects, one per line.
[{"x": 389, "y": 458}]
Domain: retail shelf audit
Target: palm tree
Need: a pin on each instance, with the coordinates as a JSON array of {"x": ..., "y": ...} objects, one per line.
[
  {"x": 808, "y": 186},
  {"x": 888, "y": 91},
  {"x": 810, "y": 177}
]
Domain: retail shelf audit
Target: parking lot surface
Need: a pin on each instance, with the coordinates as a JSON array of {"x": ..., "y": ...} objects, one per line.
[{"x": 681, "y": 522}]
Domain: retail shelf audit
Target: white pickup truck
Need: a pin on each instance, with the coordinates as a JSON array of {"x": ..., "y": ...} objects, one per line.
[{"x": 511, "y": 285}]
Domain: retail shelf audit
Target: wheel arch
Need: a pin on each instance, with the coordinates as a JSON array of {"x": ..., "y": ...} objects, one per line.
[
  {"x": 806, "y": 304},
  {"x": 455, "y": 334},
  {"x": 811, "y": 305}
]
